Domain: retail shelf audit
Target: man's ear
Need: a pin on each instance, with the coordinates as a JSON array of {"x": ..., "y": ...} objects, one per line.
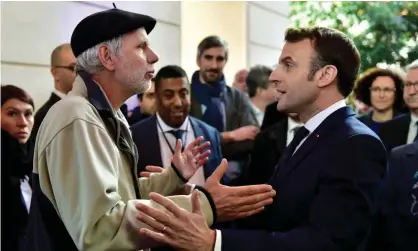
[
  {"x": 327, "y": 75},
  {"x": 106, "y": 58}
]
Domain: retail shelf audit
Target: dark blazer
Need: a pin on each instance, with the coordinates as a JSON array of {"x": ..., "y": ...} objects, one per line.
[
  {"x": 16, "y": 162},
  {"x": 272, "y": 116},
  {"x": 238, "y": 114},
  {"x": 396, "y": 227},
  {"x": 394, "y": 132},
  {"x": 42, "y": 111},
  {"x": 145, "y": 136},
  {"x": 326, "y": 192},
  {"x": 268, "y": 147}
]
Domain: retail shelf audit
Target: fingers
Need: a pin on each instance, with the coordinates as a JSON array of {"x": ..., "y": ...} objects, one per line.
[
  {"x": 203, "y": 155},
  {"x": 167, "y": 203},
  {"x": 246, "y": 207},
  {"x": 200, "y": 148},
  {"x": 249, "y": 213},
  {"x": 154, "y": 169},
  {"x": 195, "y": 202},
  {"x": 179, "y": 145},
  {"x": 195, "y": 143},
  {"x": 254, "y": 189},
  {"x": 150, "y": 222},
  {"x": 155, "y": 236},
  {"x": 219, "y": 171},
  {"x": 156, "y": 214},
  {"x": 145, "y": 174}
]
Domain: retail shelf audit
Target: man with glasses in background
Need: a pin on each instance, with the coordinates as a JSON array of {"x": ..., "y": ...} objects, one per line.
[{"x": 63, "y": 72}]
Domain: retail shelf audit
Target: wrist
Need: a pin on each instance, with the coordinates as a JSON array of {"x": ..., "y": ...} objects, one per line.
[
  {"x": 228, "y": 136},
  {"x": 211, "y": 240}
]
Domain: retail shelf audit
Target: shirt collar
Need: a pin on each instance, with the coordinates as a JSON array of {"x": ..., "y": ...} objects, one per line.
[
  {"x": 59, "y": 94},
  {"x": 292, "y": 124},
  {"x": 414, "y": 119},
  {"x": 166, "y": 128},
  {"x": 255, "y": 109},
  {"x": 316, "y": 120}
]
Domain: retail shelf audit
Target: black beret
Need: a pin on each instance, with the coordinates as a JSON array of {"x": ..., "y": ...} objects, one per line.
[{"x": 106, "y": 25}]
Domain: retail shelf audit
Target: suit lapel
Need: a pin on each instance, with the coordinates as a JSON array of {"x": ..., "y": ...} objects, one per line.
[
  {"x": 195, "y": 108},
  {"x": 153, "y": 144},
  {"x": 197, "y": 130},
  {"x": 312, "y": 140}
]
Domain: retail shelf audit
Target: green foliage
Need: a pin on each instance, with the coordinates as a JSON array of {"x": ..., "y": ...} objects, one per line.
[{"x": 384, "y": 32}]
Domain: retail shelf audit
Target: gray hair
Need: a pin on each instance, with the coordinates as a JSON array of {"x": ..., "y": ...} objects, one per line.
[
  {"x": 89, "y": 60},
  {"x": 413, "y": 65},
  {"x": 258, "y": 77}
]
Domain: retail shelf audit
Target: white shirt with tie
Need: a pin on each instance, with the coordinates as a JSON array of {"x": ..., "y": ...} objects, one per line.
[
  {"x": 311, "y": 125},
  {"x": 292, "y": 127},
  {"x": 413, "y": 129},
  {"x": 166, "y": 154}
]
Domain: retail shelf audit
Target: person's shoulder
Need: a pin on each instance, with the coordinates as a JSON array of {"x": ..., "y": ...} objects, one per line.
[
  {"x": 202, "y": 124},
  {"x": 143, "y": 124}
]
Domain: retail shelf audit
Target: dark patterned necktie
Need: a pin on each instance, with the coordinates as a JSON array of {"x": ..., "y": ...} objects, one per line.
[
  {"x": 416, "y": 136},
  {"x": 178, "y": 134},
  {"x": 300, "y": 134}
]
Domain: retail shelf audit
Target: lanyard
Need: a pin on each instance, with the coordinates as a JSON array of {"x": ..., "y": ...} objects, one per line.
[{"x": 183, "y": 138}]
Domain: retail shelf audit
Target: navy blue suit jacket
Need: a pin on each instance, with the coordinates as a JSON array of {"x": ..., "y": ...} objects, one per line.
[
  {"x": 397, "y": 225},
  {"x": 145, "y": 136},
  {"x": 325, "y": 194}
]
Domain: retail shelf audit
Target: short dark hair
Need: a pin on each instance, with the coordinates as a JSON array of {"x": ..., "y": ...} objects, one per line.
[
  {"x": 11, "y": 91},
  {"x": 212, "y": 42},
  {"x": 141, "y": 95},
  {"x": 258, "y": 77},
  {"x": 333, "y": 48},
  {"x": 365, "y": 81},
  {"x": 169, "y": 71}
]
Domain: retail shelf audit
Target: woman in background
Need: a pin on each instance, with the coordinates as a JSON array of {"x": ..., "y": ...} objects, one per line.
[
  {"x": 381, "y": 89},
  {"x": 17, "y": 120}
]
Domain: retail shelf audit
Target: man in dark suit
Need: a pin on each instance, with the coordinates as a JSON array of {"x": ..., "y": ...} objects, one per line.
[
  {"x": 404, "y": 129},
  {"x": 264, "y": 159},
  {"x": 397, "y": 225},
  {"x": 328, "y": 178},
  {"x": 63, "y": 71},
  {"x": 155, "y": 137}
]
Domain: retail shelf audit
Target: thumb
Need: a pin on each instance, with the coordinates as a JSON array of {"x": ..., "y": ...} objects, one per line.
[
  {"x": 220, "y": 171},
  {"x": 195, "y": 202}
]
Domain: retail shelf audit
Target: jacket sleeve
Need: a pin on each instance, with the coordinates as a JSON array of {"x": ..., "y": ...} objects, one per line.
[
  {"x": 82, "y": 182},
  {"x": 341, "y": 213}
]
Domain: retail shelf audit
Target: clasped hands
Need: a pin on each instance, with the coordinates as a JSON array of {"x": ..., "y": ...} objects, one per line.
[{"x": 188, "y": 230}]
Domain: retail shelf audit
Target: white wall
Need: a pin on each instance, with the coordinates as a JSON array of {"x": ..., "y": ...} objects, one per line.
[
  {"x": 266, "y": 23},
  {"x": 31, "y": 30}
]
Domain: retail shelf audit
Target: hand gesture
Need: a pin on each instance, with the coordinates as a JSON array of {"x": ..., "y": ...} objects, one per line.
[
  {"x": 176, "y": 227},
  {"x": 237, "y": 202},
  {"x": 150, "y": 170},
  {"x": 188, "y": 161}
]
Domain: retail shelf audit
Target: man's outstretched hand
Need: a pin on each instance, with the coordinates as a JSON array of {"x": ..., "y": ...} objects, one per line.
[{"x": 236, "y": 202}]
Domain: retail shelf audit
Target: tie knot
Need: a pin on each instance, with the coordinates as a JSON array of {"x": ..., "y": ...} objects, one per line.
[{"x": 177, "y": 133}]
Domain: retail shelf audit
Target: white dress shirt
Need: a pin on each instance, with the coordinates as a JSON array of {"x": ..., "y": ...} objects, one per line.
[
  {"x": 413, "y": 128},
  {"x": 259, "y": 115},
  {"x": 166, "y": 154},
  {"x": 26, "y": 191},
  {"x": 292, "y": 125},
  {"x": 311, "y": 125},
  {"x": 59, "y": 94}
]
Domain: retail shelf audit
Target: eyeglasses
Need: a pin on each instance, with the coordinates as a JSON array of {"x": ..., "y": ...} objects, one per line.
[
  {"x": 411, "y": 85},
  {"x": 68, "y": 67},
  {"x": 384, "y": 90}
]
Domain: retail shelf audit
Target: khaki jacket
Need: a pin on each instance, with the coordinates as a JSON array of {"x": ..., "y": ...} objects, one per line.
[{"x": 91, "y": 183}]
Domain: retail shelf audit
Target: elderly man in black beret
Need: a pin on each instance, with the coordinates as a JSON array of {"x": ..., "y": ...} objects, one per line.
[{"x": 85, "y": 189}]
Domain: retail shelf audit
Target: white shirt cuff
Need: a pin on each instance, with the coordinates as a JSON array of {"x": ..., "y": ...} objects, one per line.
[{"x": 218, "y": 241}]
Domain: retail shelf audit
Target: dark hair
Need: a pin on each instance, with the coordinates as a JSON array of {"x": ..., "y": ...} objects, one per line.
[
  {"x": 362, "y": 89},
  {"x": 258, "y": 77},
  {"x": 169, "y": 71},
  {"x": 141, "y": 95},
  {"x": 333, "y": 48},
  {"x": 11, "y": 91},
  {"x": 212, "y": 42}
]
